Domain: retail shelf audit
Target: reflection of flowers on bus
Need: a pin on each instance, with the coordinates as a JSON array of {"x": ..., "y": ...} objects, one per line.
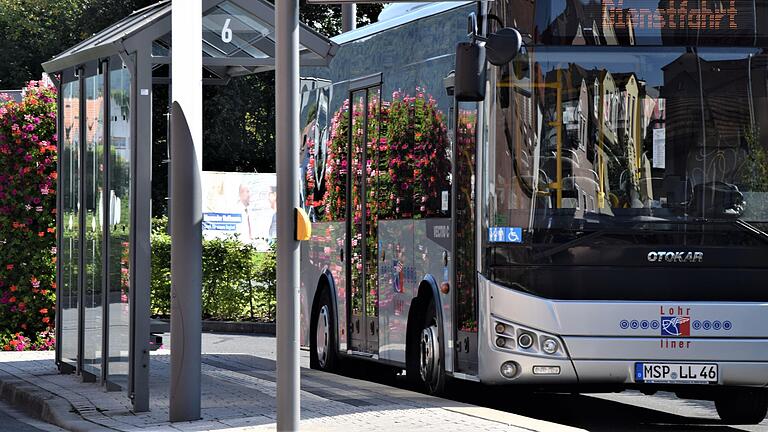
[{"x": 407, "y": 137}]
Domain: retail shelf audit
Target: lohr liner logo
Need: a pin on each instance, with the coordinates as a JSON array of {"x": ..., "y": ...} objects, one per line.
[
  {"x": 675, "y": 326},
  {"x": 676, "y": 321}
]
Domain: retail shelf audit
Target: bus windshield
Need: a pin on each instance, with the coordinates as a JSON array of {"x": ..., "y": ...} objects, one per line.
[{"x": 610, "y": 135}]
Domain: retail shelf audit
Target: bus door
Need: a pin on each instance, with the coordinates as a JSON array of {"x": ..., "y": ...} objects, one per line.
[
  {"x": 362, "y": 243},
  {"x": 464, "y": 228}
]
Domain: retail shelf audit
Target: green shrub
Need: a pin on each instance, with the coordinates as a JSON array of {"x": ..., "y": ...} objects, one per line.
[{"x": 238, "y": 282}]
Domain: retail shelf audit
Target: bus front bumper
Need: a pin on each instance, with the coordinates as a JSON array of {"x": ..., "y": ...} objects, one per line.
[
  {"x": 614, "y": 361},
  {"x": 605, "y": 342}
]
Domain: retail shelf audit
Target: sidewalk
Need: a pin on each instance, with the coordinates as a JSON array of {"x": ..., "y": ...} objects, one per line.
[{"x": 239, "y": 395}]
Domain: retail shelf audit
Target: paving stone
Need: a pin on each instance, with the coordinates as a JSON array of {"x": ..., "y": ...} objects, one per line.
[{"x": 238, "y": 393}]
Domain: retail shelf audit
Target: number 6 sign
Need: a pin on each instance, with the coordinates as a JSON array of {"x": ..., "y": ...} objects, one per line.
[{"x": 226, "y": 32}]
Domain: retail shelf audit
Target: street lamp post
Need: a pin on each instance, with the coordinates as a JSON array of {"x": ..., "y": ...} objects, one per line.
[
  {"x": 348, "y": 17},
  {"x": 287, "y": 131}
]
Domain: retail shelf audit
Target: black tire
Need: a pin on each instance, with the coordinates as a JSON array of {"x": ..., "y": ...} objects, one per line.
[
  {"x": 427, "y": 376},
  {"x": 323, "y": 322},
  {"x": 742, "y": 406}
]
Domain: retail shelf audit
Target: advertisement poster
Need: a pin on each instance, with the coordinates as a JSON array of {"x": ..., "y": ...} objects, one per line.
[{"x": 241, "y": 205}]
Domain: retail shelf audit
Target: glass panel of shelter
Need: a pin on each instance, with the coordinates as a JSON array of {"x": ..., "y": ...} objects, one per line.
[
  {"x": 93, "y": 173},
  {"x": 69, "y": 169},
  {"x": 227, "y": 29},
  {"x": 95, "y": 223},
  {"x": 118, "y": 225}
]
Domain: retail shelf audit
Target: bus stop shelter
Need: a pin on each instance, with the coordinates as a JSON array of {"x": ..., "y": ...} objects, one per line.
[{"x": 105, "y": 146}]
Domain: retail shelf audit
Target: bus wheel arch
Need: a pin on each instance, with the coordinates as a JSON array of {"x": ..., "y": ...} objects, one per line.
[
  {"x": 425, "y": 340},
  {"x": 323, "y": 329}
]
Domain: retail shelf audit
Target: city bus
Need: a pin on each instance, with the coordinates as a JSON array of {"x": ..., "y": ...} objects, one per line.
[{"x": 588, "y": 210}]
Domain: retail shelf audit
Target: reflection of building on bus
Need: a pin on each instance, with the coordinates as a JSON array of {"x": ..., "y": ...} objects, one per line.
[
  {"x": 735, "y": 95},
  {"x": 601, "y": 149},
  {"x": 616, "y": 129}
]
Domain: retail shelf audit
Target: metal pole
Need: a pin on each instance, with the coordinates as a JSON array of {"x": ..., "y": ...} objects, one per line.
[
  {"x": 287, "y": 102},
  {"x": 140, "y": 66},
  {"x": 348, "y": 17},
  {"x": 186, "y": 214}
]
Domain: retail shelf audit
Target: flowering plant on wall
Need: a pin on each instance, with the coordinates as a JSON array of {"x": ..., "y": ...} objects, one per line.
[{"x": 27, "y": 219}]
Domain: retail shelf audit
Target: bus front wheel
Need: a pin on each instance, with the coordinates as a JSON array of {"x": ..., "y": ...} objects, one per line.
[
  {"x": 742, "y": 406},
  {"x": 425, "y": 363},
  {"x": 322, "y": 337}
]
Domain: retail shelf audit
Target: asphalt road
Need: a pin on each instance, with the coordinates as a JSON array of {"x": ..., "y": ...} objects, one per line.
[{"x": 626, "y": 411}]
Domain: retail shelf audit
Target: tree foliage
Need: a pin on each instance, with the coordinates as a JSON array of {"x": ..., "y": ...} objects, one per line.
[
  {"x": 33, "y": 31},
  {"x": 327, "y": 19}
]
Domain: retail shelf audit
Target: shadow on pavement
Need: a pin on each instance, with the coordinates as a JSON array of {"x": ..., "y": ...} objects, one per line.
[
  {"x": 582, "y": 411},
  {"x": 572, "y": 409}
]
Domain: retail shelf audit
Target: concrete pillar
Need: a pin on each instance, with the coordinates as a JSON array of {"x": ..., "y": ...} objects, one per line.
[{"x": 186, "y": 214}]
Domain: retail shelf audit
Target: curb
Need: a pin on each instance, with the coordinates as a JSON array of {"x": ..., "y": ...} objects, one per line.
[
  {"x": 242, "y": 327},
  {"x": 43, "y": 405}
]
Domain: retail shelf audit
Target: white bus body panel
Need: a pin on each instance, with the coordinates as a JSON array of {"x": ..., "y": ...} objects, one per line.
[
  {"x": 319, "y": 255},
  {"x": 404, "y": 263},
  {"x": 604, "y": 339},
  {"x": 433, "y": 240},
  {"x": 398, "y": 285}
]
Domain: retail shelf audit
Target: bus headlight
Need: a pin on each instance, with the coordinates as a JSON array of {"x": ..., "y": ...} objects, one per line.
[
  {"x": 549, "y": 346},
  {"x": 508, "y": 369},
  {"x": 525, "y": 340},
  {"x": 501, "y": 342},
  {"x": 500, "y": 328}
]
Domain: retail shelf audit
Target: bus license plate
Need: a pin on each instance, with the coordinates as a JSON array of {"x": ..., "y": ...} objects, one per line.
[{"x": 676, "y": 373}]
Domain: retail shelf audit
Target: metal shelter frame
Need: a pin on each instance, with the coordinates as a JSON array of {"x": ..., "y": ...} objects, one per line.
[{"x": 238, "y": 39}]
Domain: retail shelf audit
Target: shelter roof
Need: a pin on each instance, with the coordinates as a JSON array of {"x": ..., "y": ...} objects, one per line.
[{"x": 238, "y": 38}]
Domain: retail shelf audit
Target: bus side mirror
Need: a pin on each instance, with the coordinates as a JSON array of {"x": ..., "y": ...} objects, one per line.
[
  {"x": 499, "y": 49},
  {"x": 503, "y": 46},
  {"x": 469, "y": 79}
]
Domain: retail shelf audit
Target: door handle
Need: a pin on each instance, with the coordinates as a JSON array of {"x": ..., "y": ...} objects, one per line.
[
  {"x": 341, "y": 254},
  {"x": 445, "y": 258}
]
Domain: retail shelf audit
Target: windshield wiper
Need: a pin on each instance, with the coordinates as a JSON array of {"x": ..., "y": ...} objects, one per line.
[
  {"x": 567, "y": 245},
  {"x": 746, "y": 226}
]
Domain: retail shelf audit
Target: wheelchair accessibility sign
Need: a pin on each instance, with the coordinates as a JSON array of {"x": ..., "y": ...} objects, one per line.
[{"x": 505, "y": 235}]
